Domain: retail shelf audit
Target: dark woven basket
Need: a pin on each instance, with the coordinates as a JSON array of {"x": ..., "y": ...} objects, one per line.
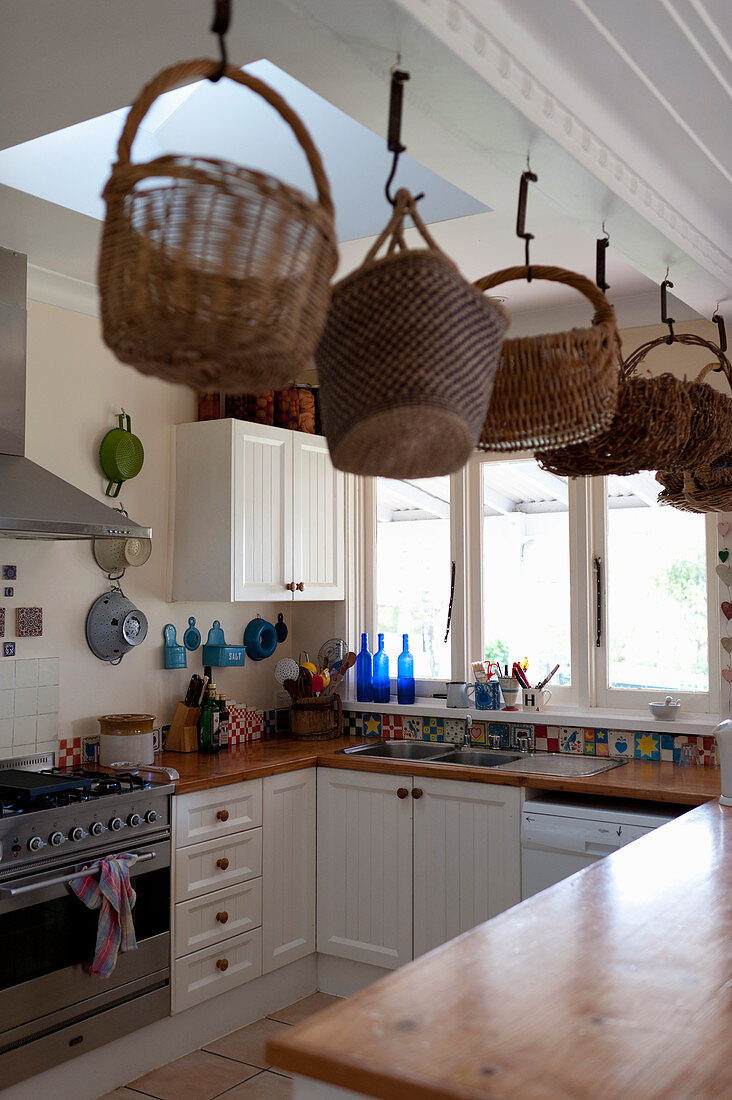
[
  {"x": 662, "y": 423},
  {"x": 210, "y": 274},
  {"x": 672, "y": 492},
  {"x": 407, "y": 359},
  {"x": 555, "y": 389},
  {"x": 709, "y": 488},
  {"x": 317, "y": 719}
]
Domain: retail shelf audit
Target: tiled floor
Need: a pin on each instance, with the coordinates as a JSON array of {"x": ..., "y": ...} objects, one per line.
[{"x": 233, "y": 1068}]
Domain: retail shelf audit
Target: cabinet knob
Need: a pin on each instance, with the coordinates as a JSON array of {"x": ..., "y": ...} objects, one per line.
[
  {"x": 402, "y": 792},
  {"x": 417, "y": 792},
  {"x": 222, "y": 964},
  {"x": 222, "y": 863},
  {"x": 223, "y": 815},
  {"x": 300, "y": 587},
  {"x": 290, "y": 587},
  {"x": 222, "y": 917}
]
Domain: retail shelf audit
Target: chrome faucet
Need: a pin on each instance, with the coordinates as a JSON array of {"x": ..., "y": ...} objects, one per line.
[{"x": 467, "y": 736}]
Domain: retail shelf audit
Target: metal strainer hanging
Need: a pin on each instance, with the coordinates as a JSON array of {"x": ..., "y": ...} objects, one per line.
[{"x": 114, "y": 626}]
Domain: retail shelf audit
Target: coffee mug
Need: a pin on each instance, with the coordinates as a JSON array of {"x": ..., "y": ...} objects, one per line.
[
  {"x": 458, "y": 693},
  {"x": 488, "y": 696},
  {"x": 536, "y": 698},
  {"x": 510, "y": 688}
]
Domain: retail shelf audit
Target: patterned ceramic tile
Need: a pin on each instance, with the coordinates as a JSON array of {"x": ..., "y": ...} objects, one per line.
[
  {"x": 522, "y": 728},
  {"x": 478, "y": 733},
  {"x": 552, "y": 739},
  {"x": 433, "y": 729},
  {"x": 647, "y": 746},
  {"x": 589, "y": 748},
  {"x": 391, "y": 726},
  {"x": 2, "y": 622},
  {"x": 667, "y": 746},
  {"x": 9, "y": 593},
  {"x": 90, "y": 749},
  {"x": 412, "y": 727},
  {"x": 504, "y": 731},
  {"x": 29, "y": 622},
  {"x": 540, "y": 738},
  {"x": 590, "y": 735},
  {"x": 8, "y": 649},
  {"x": 351, "y": 723},
  {"x": 571, "y": 739},
  {"x": 371, "y": 725},
  {"x": 10, "y": 572},
  {"x": 620, "y": 744},
  {"x": 454, "y": 730}
]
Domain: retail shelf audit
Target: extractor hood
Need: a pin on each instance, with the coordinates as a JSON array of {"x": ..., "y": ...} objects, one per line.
[{"x": 35, "y": 504}]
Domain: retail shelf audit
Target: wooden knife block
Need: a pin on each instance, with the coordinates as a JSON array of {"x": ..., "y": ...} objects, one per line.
[{"x": 183, "y": 732}]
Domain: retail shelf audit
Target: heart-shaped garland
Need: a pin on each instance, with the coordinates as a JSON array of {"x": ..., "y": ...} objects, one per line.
[{"x": 724, "y": 572}]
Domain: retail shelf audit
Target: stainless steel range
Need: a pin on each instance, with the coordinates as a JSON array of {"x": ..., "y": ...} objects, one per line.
[{"x": 54, "y": 823}]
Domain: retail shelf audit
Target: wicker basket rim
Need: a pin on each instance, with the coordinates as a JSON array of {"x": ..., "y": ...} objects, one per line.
[
  {"x": 595, "y": 330},
  {"x": 552, "y": 274},
  {"x": 630, "y": 365}
]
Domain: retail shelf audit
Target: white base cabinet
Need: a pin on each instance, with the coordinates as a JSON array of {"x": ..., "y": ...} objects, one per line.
[
  {"x": 288, "y": 877},
  {"x": 405, "y": 864}
]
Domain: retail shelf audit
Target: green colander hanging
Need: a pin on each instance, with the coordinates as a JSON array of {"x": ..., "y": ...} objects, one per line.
[{"x": 121, "y": 455}]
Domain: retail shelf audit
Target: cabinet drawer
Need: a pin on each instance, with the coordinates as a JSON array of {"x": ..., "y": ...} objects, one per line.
[
  {"x": 212, "y": 918},
  {"x": 217, "y": 863},
  {"x": 219, "y": 812},
  {"x": 216, "y": 969}
]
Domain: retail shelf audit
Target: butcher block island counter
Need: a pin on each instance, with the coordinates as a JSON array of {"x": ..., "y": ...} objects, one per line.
[{"x": 613, "y": 983}]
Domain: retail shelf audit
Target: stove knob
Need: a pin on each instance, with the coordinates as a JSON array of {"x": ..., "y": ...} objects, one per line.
[
  {"x": 77, "y": 833},
  {"x": 96, "y": 828},
  {"x": 134, "y": 820},
  {"x": 55, "y": 839},
  {"x": 152, "y": 816},
  {"x": 35, "y": 844},
  {"x": 116, "y": 824}
]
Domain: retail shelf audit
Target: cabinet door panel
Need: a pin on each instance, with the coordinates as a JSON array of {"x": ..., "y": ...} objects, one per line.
[
  {"x": 288, "y": 839},
  {"x": 262, "y": 506},
  {"x": 466, "y": 857},
  {"x": 364, "y": 867},
  {"x": 318, "y": 521}
]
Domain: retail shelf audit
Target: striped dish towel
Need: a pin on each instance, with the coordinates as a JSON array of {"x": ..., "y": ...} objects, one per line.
[{"x": 108, "y": 888}]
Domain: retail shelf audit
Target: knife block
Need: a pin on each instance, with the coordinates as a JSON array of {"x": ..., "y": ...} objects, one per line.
[{"x": 183, "y": 732}]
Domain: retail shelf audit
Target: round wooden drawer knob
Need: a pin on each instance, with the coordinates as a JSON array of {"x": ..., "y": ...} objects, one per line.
[
  {"x": 290, "y": 587},
  {"x": 222, "y": 863},
  {"x": 222, "y": 917},
  {"x": 402, "y": 792},
  {"x": 417, "y": 792},
  {"x": 300, "y": 587},
  {"x": 223, "y": 815},
  {"x": 222, "y": 964}
]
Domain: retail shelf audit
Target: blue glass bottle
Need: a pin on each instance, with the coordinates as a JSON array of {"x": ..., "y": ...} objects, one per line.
[
  {"x": 405, "y": 674},
  {"x": 364, "y": 690},
  {"x": 380, "y": 679}
]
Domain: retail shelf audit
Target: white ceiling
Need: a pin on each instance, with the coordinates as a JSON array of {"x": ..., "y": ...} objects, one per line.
[{"x": 489, "y": 83}]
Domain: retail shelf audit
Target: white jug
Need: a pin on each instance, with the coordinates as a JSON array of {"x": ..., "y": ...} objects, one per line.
[{"x": 723, "y": 734}]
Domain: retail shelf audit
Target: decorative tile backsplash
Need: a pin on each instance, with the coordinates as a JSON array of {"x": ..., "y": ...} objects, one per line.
[
  {"x": 622, "y": 744},
  {"x": 29, "y": 697}
]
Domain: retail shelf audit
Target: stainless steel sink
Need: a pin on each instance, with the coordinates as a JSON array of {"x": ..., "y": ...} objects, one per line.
[
  {"x": 561, "y": 764},
  {"x": 481, "y": 758},
  {"x": 399, "y": 750}
]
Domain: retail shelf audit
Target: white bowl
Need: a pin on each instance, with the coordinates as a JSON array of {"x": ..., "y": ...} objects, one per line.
[{"x": 666, "y": 711}]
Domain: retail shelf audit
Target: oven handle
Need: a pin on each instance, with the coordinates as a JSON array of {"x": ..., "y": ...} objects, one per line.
[{"x": 14, "y": 891}]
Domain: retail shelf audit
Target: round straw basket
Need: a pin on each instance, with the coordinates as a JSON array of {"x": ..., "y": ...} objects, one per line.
[
  {"x": 317, "y": 719},
  {"x": 210, "y": 274},
  {"x": 662, "y": 423},
  {"x": 556, "y": 389},
  {"x": 673, "y": 490},
  {"x": 407, "y": 359},
  {"x": 709, "y": 488}
]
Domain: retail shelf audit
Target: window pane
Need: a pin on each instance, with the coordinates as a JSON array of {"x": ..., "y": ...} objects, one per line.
[
  {"x": 413, "y": 571},
  {"x": 656, "y": 590},
  {"x": 526, "y": 605}
]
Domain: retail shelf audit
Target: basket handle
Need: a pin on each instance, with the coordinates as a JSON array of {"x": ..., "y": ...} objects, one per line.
[
  {"x": 634, "y": 360},
  {"x": 404, "y": 204},
  {"x": 186, "y": 71},
  {"x": 603, "y": 309}
]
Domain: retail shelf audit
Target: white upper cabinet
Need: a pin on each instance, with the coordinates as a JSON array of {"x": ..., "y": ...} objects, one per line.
[{"x": 259, "y": 513}]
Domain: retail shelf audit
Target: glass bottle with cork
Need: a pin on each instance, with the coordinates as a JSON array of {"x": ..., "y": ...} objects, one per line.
[{"x": 208, "y": 722}]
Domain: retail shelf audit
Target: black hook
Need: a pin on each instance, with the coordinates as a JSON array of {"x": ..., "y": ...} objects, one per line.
[
  {"x": 665, "y": 319},
  {"x": 394, "y": 132},
  {"x": 527, "y": 177},
  {"x": 603, "y": 243},
  {"x": 219, "y": 27},
  {"x": 719, "y": 322}
]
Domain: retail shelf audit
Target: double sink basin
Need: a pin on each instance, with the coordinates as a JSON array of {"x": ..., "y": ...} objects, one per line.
[{"x": 545, "y": 763}]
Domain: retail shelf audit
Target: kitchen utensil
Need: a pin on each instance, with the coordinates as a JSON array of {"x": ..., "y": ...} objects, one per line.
[
  {"x": 318, "y": 684},
  {"x": 174, "y": 655},
  {"x": 217, "y": 276},
  {"x": 126, "y": 737},
  {"x": 292, "y": 687},
  {"x": 194, "y": 691},
  {"x": 337, "y": 675},
  {"x": 115, "y": 555},
  {"x": 192, "y": 636},
  {"x": 665, "y": 711},
  {"x": 332, "y": 652},
  {"x": 520, "y": 675},
  {"x": 286, "y": 669},
  {"x": 114, "y": 626},
  {"x": 281, "y": 628},
  {"x": 305, "y": 683},
  {"x": 216, "y": 652},
  {"x": 458, "y": 694},
  {"x": 121, "y": 455},
  {"x": 260, "y": 639}
]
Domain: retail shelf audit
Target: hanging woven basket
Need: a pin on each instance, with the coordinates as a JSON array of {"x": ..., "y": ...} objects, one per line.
[
  {"x": 556, "y": 389},
  {"x": 672, "y": 492},
  {"x": 709, "y": 488},
  {"x": 210, "y": 274},
  {"x": 407, "y": 359}
]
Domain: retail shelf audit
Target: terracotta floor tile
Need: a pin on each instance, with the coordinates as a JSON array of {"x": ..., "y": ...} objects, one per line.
[
  {"x": 267, "y": 1086},
  {"x": 294, "y": 1014},
  {"x": 121, "y": 1094},
  {"x": 248, "y": 1043},
  {"x": 196, "y": 1076}
]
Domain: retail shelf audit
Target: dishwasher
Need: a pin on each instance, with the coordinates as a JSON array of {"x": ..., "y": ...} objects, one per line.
[{"x": 560, "y": 837}]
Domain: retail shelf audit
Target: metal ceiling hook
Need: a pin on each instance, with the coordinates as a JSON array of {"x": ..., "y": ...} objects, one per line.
[
  {"x": 394, "y": 132},
  {"x": 527, "y": 177},
  {"x": 665, "y": 319},
  {"x": 719, "y": 322},
  {"x": 219, "y": 27},
  {"x": 603, "y": 243}
]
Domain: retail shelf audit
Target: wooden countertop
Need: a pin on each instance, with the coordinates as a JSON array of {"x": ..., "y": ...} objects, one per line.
[
  {"x": 613, "y": 983},
  {"x": 642, "y": 779}
]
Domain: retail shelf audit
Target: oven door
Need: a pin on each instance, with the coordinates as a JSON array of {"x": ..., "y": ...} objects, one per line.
[{"x": 47, "y": 941}]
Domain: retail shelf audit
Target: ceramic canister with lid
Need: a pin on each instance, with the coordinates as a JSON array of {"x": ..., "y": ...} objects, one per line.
[{"x": 126, "y": 737}]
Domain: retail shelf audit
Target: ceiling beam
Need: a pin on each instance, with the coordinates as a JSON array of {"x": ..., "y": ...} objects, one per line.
[
  {"x": 546, "y": 482},
  {"x": 418, "y": 498}
]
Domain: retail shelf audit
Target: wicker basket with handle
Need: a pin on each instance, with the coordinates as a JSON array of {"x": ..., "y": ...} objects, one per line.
[
  {"x": 555, "y": 389},
  {"x": 317, "y": 719},
  {"x": 211, "y": 274}
]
